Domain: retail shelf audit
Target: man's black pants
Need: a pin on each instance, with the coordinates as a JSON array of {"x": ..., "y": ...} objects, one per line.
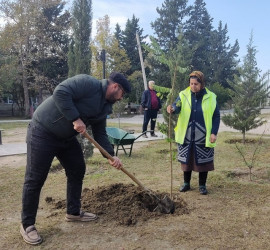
[
  {"x": 42, "y": 147},
  {"x": 150, "y": 114}
]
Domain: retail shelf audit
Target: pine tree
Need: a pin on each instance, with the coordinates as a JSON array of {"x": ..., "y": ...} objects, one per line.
[
  {"x": 249, "y": 92},
  {"x": 169, "y": 23},
  {"x": 222, "y": 57},
  {"x": 178, "y": 61},
  {"x": 79, "y": 55},
  {"x": 167, "y": 28},
  {"x": 82, "y": 28},
  {"x": 129, "y": 43},
  {"x": 71, "y": 60},
  {"x": 118, "y": 33},
  {"x": 198, "y": 32}
]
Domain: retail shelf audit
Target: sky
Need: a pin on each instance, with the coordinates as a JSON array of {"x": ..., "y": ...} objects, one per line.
[{"x": 241, "y": 16}]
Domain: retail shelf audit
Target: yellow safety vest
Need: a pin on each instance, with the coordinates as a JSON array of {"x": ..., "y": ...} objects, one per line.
[{"x": 208, "y": 107}]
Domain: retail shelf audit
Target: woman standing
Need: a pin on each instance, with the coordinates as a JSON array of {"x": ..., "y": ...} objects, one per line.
[{"x": 196, "y": 130}]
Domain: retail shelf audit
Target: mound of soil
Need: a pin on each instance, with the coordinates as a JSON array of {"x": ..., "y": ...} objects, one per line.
[{"x": 123, "y": 204}]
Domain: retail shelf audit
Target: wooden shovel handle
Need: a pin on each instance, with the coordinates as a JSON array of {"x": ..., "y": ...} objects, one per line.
[{"x": 108, "y": 156}]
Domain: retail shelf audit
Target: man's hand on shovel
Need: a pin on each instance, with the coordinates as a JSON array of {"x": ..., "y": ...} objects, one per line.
[
  {"x": 80, "y": 127},
  {"x": 116, "y": 163}
]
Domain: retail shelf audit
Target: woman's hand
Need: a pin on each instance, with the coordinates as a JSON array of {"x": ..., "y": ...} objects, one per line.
[
  {"x": 116, "y": 163},
  {"x": 170, "y": 109},
  {"x": 213, "y": 138},
  {"x": 79, "y": 126}
]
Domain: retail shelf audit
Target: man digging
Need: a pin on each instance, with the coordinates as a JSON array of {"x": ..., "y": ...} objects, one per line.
[{"x": 76, "y": 103}]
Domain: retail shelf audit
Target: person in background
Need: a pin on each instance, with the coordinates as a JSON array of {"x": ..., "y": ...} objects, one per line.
[
  {"x": 151, "y": 105},
  {"x": 196, "y": 130},
  {"x": 76, "y": 103}
]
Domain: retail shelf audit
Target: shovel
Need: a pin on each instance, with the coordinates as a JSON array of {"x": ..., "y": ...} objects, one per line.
[{"x": 165, "y": 205}]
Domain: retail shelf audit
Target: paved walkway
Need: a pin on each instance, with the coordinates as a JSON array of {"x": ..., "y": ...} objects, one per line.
[
  {"x": 7, "y": 149},
  {"x": 20, "y": 148},
  {"x": 12, "y": 149}
]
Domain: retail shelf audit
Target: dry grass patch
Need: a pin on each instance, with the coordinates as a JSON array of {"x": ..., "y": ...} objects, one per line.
[{"x": 235, "y": 214}]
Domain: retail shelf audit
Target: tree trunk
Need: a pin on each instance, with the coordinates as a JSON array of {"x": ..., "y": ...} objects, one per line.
[
  {"x": 40, "y": 96},
  {"x": 244, "y": 137},
  {"x": 25, "y": 88},
  {"x": 26, "y": 98}
]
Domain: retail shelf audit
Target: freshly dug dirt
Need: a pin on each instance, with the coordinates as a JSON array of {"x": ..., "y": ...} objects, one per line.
[{"x": 123, "y": 204}]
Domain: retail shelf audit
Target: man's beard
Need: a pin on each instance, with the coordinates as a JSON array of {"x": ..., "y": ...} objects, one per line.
[{"x": 111, "y": 99}]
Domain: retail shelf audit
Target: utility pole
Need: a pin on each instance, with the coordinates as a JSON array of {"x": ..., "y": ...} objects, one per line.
[
  {"x": 141, "y": 59},
  {"x": 268, "y": 83}
]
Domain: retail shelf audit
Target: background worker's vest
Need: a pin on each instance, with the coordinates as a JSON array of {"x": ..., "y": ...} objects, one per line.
[{"x": 208, "y": 107}]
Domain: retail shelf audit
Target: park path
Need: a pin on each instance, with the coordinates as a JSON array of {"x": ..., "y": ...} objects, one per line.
[{"x": 20, "y": 148}]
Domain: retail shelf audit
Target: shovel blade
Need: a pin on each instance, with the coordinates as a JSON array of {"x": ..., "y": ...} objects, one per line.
[{"x": 165, "y": 206}]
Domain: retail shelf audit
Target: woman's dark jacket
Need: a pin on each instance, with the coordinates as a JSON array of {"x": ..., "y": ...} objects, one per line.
[{"x": 83, "y": 97}]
